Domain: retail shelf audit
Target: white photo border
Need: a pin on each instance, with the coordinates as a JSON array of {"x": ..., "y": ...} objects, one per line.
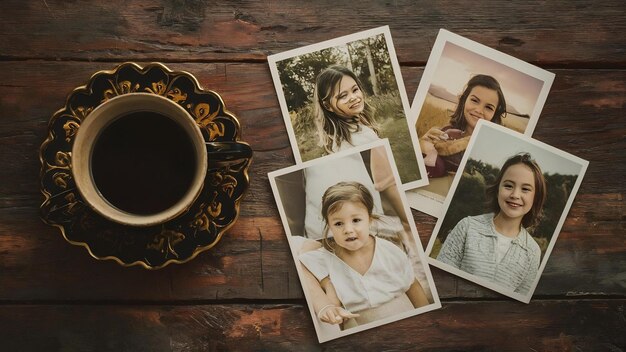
[
  {"x": 482, "y": 125},
  {"x": 273, "y": 59},
  {"x": 423, "y": 258},
  {"x": 422, "y": 202}
]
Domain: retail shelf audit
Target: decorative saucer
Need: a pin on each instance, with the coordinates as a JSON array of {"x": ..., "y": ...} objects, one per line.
[{"x": 176, "y": 241}]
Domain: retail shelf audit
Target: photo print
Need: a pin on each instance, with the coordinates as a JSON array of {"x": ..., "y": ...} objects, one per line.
[
  {"x": 347, "y": 92},
  {"x": 464, "y": 82},
  {"x": 354, "y": 241},
  {"x": 505, "y": 210}
]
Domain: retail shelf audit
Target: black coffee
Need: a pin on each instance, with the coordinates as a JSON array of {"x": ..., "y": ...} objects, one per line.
[{"x": 143, "y": 163}]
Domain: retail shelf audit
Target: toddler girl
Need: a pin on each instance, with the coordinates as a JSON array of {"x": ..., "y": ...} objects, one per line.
[
  {"x": 362, "y": 278},
  {"x": 496, "y": 246}
]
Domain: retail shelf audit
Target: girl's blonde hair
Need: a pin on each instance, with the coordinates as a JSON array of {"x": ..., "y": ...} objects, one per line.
[
  {"x": 333, "y": 129},
  {"x": 334, "y": 198}
]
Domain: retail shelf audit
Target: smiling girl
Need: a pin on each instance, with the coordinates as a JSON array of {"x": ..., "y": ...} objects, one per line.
[
  {"x": 496, "y": 246},
  {"x": 343, "y": 116},
  {"x": 443, "y": 148},
  {"x": 363, "y": 278}
]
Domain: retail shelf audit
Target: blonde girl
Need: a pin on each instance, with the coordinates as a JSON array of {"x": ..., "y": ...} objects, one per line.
[
  {"x": 342, "y": 115},
  {"x": 362, "y": 278},
  {"x": 497, "y": 246}
]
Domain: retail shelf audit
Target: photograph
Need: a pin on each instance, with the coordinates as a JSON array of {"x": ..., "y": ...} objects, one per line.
[
  {"x": 354, "y": 242},
  {"x": 346, "y": 92},
  {"x": 465, "y": 82},
  {"x": 505, "y": 211}
]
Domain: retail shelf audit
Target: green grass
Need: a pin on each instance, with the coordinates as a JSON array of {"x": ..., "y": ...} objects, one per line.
[
  {"x": 389, "y": 115},
  {"x": 402, "y": 148},
  {"x": 306, "y": 134},
  {"x": 309, "y": 149},
  {"x": 434, "y": 252}
]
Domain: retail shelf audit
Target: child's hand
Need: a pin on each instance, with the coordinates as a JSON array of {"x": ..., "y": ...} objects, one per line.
[
  {"x": 453, "y": 146},
  {"x": 434, "y": 135},
  {"x": 334, "y": 315}
]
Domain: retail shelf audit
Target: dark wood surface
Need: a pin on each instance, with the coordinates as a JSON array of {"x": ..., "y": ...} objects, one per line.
[{"x": 244, "y": 294}]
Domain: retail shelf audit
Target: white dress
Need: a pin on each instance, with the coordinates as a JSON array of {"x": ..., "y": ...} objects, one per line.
[
  {"x": 390, "y": 275},
  {"x": 363, "y": 136}
]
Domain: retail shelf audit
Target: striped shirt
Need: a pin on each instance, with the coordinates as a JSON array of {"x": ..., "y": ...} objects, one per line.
[{"x": 471, "y": 247}]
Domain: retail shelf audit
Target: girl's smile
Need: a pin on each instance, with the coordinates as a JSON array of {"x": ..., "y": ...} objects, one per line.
[
  {"x": 481, "y": 103},
  {"x": 516, "y": 192},
  {"x": 347, "y": 100},
  {"x": 350, "y": 225}
]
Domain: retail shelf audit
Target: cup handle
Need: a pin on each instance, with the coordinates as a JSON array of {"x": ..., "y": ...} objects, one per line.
[{"x": 227, "y": 151}]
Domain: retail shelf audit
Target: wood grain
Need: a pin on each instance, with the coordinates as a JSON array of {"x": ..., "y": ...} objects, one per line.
[
  {"x": 244, "y": 294},
  {"x": 253, "y": 261},
  {"x": 497, "y": 326},
  {"x": 559, "y": 33},
  {"x": 583, "y": 106}
]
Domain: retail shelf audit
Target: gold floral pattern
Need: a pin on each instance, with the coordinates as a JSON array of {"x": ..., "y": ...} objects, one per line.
[
  {"x": 61, "y": 179},
  {"x": 206, "y": 119},
  {"x": 175, "y": 241},
  {"x": 70, "y": 127},
  {"x": 177, "y": 95},
  {"x": 227, "y": 182},
  {"x": 166, "y": 241},
  {"x": 80, "y": 112},
  {"x": 62, "y": 159},
  {"x": 157, "y": 88}
]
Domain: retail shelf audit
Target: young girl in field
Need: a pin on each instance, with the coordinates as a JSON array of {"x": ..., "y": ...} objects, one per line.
[
  {"x": 496, "y": 246},
  {"x": 361, "y": 278},
  {"x": 443, "y": 148},
  {"x": 342, "y": 115}
]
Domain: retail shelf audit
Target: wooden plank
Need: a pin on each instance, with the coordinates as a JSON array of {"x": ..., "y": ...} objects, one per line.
[
  {"x": 577, "y": 112},
  {"x": 253, "y": 261},
  {"x": 585, "y": 325},
  {"x": 244, "y": 294},
  {"x": 585, "y": 34}
]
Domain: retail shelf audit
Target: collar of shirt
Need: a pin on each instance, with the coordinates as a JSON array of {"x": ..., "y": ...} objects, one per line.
[{"x": 521, "y": 239}]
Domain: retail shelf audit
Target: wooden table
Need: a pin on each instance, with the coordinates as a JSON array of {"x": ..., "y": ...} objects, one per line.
[{"x": 244, "y": 294}]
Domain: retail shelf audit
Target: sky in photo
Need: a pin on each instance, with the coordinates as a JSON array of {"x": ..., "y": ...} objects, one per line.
[
  {"x": 499, "y": 146},
  {"x": 457, "y": 65}
]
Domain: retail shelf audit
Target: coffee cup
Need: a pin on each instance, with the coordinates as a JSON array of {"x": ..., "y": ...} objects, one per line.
[{"x": 140, "y": 159}]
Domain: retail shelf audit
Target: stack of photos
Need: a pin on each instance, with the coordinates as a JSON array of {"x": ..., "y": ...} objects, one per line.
[
  {"x": 462, "y": 153},
  {"x": 464, "y": 82}
]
